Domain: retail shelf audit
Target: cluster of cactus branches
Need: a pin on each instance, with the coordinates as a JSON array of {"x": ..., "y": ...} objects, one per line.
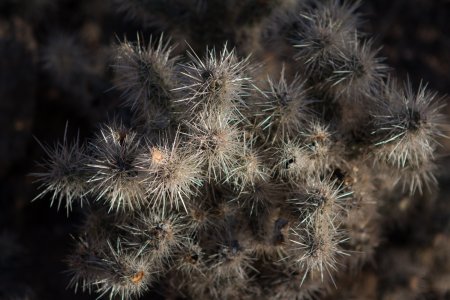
[{"x": 222, "y": 182}]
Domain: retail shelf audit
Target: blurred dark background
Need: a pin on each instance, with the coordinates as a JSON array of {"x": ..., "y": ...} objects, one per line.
[{"x": 55, "y": 59}]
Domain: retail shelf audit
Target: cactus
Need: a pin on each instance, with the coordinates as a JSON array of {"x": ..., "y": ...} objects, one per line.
[{"x": 228, "y": 182}]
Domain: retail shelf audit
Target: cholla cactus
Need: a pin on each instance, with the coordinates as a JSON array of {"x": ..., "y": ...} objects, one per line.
[{"x": 224, "y": 185}]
